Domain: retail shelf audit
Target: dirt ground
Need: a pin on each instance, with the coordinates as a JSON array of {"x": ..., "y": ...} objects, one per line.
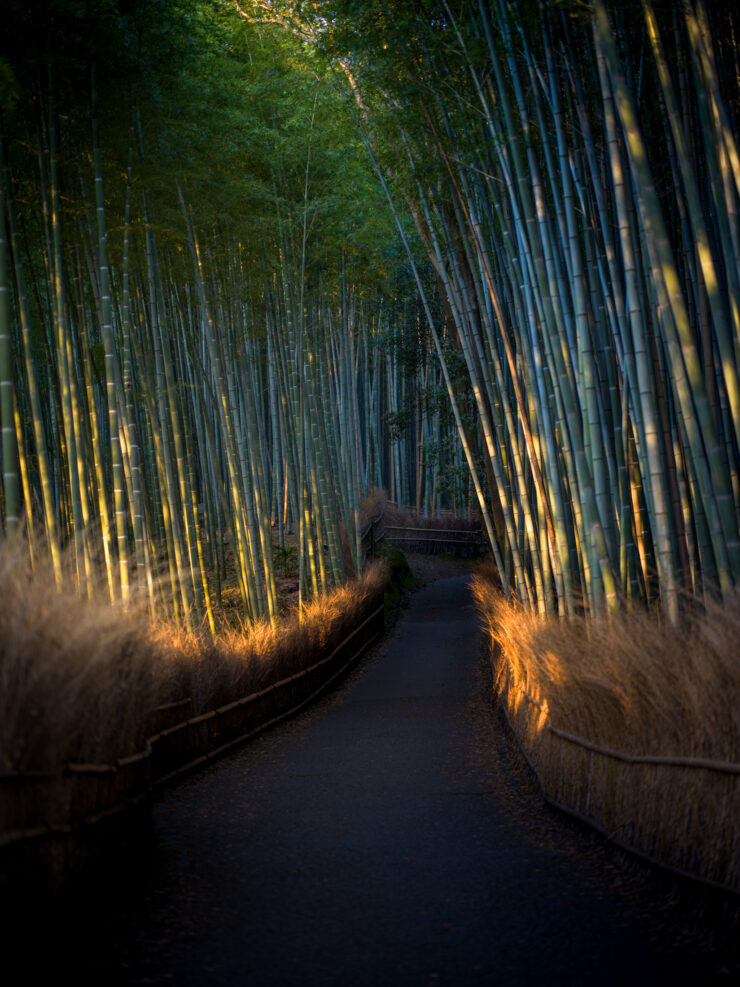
[{"x": 428, "y": 568}]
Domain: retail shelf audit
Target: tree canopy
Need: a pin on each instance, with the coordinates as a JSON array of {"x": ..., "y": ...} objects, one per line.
[{"x": 544, "y": 196}]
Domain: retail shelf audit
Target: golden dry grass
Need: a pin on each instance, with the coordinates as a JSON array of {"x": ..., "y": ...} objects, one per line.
[
  {"x": 636, "y": 685},
  {"x": 74, "y": 675},
  {"x": 79, "y": 679},
  {"x": 237, "y": 663}
]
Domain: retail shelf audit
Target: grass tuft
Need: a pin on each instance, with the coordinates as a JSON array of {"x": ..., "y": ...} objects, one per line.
[
  {"x": 75, "y": 675},
  {"x": 79, "y": 679},
  {"x": 633, "y": 684}
]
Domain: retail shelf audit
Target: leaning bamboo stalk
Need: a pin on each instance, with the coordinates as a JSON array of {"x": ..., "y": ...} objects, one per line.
[
  {"x": 111, "y": 369},
  {"x": 11, "y": 485},
  {"x": 714, "y": 483}
]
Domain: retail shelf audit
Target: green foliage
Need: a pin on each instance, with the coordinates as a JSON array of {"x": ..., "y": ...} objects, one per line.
[
  {"x": 400, "y": 577},
  {"x": 285, "y": 560},
  {"x": 542, "y": 148},
  {"x": 230, "y": 112},
  {"x": 9, "y": 89}
]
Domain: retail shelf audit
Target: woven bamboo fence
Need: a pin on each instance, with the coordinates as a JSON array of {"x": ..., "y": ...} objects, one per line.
[
  {"x": 51, "y": 822},
  {"x": 679, "y": 813}
]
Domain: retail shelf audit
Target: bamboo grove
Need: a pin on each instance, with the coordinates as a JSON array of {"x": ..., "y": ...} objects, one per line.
[
  {"x": 204, "y": 359},
  {"x": 187, "y": 394},
  {"x": 573, "y": 172}
]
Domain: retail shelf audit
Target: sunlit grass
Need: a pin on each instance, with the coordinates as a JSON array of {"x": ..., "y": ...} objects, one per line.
[
  {"x": 212, "y": 672},
  {"x": 638, "y": 685},
  {"x": 79, "y": 679},
  {"x": 76, "y": 676}
]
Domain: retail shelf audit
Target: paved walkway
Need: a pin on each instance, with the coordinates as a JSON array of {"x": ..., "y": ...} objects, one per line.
[{"x": 373, "y": 842}]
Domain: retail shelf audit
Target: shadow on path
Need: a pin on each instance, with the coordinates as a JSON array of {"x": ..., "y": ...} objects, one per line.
[{"x": 373, "y": 841}]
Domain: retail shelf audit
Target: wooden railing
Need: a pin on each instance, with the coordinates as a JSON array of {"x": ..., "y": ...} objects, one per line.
[
  {"x": 46, "y": 816},
  {"x": 462, "y": 542},
  {"x": 605, "y": 788},
  {"x": 437, "y": 541},
  {"x": 372, "y": 537}
]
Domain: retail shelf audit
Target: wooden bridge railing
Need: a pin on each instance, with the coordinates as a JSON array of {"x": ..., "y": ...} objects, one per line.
[{"x": 461, "y": 542}]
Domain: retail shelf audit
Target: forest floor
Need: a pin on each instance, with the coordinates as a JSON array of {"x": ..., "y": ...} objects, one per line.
[
  {"x": 389, "y": 835},
  {"x": 427, "y": 568}
]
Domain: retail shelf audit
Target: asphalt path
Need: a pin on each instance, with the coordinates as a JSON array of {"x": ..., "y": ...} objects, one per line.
[{"x": 381, "y": 839}]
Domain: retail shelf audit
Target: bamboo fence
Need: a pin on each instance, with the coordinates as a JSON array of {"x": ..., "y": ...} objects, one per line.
[
  {"x": 677, "y": 813},
  {"x": 50, "y": 819}
]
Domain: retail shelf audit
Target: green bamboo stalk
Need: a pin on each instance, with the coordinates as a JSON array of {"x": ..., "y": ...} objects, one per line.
[
  {"x": 111, "y": 368},
  {"x": 11, "y": 484}
]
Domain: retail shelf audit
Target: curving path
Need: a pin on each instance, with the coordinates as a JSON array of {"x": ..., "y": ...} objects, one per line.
[{"x": 381, "y": 839}]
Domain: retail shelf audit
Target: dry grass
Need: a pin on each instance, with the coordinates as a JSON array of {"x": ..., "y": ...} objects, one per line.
[
  {"x": 75, "y": 676},
  {"x": 632, "y": 684},
  {"x": 79, "y": 679},
  {"x": 372, "y": 506},
  {"x": 84, "y": 684},
  {"x": 238, "y": 663}
]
